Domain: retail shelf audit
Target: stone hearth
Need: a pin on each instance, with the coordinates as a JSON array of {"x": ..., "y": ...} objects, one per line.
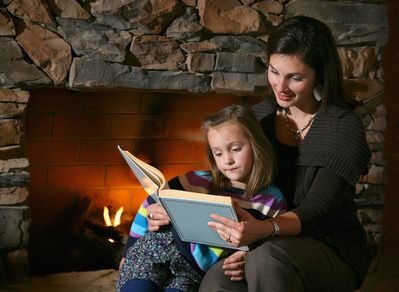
[{"x": 187, "y": 46}]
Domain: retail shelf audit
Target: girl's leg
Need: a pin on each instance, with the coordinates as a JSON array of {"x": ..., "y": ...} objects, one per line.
[{"x": 139, "y": 286}]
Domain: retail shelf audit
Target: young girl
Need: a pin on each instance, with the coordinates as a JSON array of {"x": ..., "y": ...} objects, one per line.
[{"x": 242, "y": 167}]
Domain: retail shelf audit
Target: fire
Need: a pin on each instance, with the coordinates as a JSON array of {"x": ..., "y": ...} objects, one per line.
[{"x": 117, "y": 219}]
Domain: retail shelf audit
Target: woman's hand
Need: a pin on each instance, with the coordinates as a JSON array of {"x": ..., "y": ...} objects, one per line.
[
  {"x": 245, "y": 232},
  {"x": 234, "y": 265},
  {"x": 159, "y": 217}
]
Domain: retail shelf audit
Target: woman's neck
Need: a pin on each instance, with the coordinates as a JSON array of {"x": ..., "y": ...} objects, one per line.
[{"x": 303, "y": 112}]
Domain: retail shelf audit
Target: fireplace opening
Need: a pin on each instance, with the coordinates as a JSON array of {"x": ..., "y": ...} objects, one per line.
[{"x": 94, "y": 240}]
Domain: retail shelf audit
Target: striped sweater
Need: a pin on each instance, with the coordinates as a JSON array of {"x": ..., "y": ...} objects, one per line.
[{"x": 267, "y": 204}]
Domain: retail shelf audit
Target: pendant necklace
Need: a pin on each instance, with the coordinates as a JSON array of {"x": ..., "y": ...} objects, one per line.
[{"x": 296, "y": 133}]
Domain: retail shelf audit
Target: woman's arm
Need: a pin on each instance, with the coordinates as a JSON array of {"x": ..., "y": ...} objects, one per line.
[
  {"x": 248, "y": 229},
  {"x": 324, "y": 198},
  {"x": 327, "y": 192}
]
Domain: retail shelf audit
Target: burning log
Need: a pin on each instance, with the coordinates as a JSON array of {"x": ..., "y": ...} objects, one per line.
[{"x": 92, "y": 244}]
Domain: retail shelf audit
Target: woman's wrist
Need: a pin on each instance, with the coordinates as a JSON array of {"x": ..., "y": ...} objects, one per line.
[{"x": 276, "y": 228}]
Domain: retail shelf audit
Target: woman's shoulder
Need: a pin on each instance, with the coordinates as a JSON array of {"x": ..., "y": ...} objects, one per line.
[
  {"x": 337, "y": 141},
  {"x": 340, "y": 120}
]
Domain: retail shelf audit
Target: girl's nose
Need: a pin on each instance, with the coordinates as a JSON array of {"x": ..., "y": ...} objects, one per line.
[{"x": 228, "y": 160}]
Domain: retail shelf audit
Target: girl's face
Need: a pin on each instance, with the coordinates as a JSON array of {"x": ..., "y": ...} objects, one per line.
[
  {"x": 292, "y": 81},
  {"x": 233, "y": 153}
]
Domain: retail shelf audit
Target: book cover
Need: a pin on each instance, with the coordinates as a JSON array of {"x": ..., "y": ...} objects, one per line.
[{"x": 189, "y": 212}]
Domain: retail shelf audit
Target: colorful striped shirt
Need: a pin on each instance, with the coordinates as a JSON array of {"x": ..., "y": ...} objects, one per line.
[{"x": 267, "y": 204}]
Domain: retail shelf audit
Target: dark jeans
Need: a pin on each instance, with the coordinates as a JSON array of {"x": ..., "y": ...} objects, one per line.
[{"x": 289, "y": 264}]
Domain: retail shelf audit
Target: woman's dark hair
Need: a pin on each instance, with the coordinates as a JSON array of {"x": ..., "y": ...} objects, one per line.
[{"x": 312, "y": 41}]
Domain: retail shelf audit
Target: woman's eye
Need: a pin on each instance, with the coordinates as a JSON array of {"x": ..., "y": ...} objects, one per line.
[
  {"x": 274, "y": 72},
  {"x": 297, "y": 79}
]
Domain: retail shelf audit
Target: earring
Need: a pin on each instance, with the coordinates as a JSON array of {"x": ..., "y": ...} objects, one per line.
[{"x": 318, "y": 92}]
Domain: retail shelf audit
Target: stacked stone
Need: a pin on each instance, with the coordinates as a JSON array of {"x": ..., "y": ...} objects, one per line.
[
  {"x": 14, "y": 180},
  {"x": 197, "y": 46}
]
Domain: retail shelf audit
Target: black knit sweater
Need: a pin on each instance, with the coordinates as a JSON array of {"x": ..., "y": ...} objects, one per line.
[{"x": 318, "y": 179}]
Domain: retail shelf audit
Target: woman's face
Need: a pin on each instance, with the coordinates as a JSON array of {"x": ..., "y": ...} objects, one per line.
[{"x": 292, "y": 81}]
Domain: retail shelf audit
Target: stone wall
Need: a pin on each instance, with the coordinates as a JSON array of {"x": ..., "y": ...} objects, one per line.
[
  {"x": 202, "y": 47},
  {"x": 14, "y": 180}
]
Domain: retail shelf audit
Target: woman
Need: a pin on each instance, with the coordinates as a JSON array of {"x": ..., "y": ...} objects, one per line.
[
  {"x": 319, "y": 244},
  {"x": 322, "y": 151}
]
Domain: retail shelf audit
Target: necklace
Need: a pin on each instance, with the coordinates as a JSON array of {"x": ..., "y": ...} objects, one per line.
[{"x": 295, "y": 135}]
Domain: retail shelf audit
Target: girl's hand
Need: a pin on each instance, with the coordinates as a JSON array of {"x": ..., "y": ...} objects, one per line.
[
  {"x": 245, "y": 232},
  {"x": 159, "y": 217},
  {"x": 234, "y": 265},
  {"x": 121, "y": 263}
]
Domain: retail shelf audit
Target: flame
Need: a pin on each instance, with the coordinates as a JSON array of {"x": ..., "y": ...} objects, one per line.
[
  {"x": 118, "y": 215},
  {"x": 117, "y": 219},
  {"x": 106, "y": 217}
]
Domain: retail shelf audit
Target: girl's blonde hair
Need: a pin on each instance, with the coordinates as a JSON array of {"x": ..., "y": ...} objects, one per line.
[{"x": 264, "y": 160}]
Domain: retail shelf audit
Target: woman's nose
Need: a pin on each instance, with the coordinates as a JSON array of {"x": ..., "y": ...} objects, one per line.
[{"x": 280, "y": 85}]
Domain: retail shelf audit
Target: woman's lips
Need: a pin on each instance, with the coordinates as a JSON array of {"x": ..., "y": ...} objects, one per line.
[{"x": 284, "y": 97}]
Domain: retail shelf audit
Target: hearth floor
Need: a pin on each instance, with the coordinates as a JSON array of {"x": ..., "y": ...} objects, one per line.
[{"x": 385, "y": 279}]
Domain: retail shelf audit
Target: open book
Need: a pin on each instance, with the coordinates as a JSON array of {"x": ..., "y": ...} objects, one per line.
[{"x": 189, "y": 212}]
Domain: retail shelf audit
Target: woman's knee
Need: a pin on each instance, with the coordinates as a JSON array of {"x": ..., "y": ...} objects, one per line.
[{"x": 270, "y": 255}]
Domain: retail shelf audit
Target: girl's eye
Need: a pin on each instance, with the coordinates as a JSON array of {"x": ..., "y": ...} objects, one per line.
[
  {"x": 217, "y": 154},
  {"x": 236, "y": 149}
]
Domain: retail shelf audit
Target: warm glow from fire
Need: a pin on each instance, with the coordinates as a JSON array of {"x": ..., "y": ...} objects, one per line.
[{"x": 117, "y": 219}]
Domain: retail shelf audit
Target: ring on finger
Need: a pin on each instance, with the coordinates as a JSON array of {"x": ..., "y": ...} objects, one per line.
[
  {"x": 228, "y": 238},
  {"x": 150, "y": 216}
]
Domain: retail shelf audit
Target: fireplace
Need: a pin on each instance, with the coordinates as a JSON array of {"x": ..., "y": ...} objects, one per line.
[
  {"x": 71, "y": 144},
  {"x": 101, "y": 79}
]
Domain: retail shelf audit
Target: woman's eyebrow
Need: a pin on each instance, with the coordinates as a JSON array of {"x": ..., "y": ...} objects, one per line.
[{"x": 290, "y": 74}]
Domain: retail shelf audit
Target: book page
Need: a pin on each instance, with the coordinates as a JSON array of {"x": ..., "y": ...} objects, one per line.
[
  {"x": 150, "y": 177},
  {"x": 195, "y": 196}
]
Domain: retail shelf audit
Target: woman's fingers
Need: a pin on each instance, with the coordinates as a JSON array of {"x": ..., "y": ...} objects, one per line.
[{"x": 229, "y": 230}]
